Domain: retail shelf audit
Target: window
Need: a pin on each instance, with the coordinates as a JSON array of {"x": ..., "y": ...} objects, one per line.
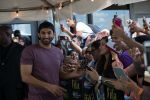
[
  {"x": 103, "y": 18},
  {"x": 25, "y": 29}
]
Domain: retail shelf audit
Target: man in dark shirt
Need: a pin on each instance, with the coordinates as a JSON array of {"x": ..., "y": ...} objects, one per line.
[{"x": 11, "y": 87}]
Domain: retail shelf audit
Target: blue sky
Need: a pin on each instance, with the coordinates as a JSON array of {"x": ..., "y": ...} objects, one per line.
[{"x": 103, "y": 18}]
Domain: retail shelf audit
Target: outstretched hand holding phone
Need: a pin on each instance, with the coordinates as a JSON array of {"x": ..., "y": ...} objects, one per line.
[{"x": 63, "y": 28}]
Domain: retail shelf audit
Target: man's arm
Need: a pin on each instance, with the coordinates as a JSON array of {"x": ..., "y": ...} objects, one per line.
[
  {"x": 76, "y": 47},
  {"x": 131, "y": 43},
  {"x": 74, "y": 74},
  {"x": 28, "y": 78}
]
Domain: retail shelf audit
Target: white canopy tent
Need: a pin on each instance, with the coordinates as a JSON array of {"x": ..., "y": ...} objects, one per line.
[{"x": 36, "y": 10}]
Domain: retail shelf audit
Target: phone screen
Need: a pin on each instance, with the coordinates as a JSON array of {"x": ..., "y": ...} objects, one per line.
[{"x": 147, "y": 53}]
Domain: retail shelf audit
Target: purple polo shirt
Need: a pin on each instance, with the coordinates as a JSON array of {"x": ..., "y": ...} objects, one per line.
[{"x": 46, "y": 66}]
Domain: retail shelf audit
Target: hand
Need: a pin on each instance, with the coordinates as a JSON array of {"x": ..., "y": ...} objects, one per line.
[
  {"x": 63, "y": 29},
  {"x": 69, "y": 68},
  {"x": 70, "y": 64},
  {"x": 121, "y": 84},
  {"x": 127, "y": 86},
  {"x": 56, "y": 90},
  {"x": 135, "y": 28},
  {"x": 79, "y": 72},
  {"x": 121, "y": 45},
  {"x": 117, "y": 32},
  {"x": 84, "y": 50},
  {"x": 117, "y": 64},
  {"x": 93, "y": 74},
  {"x": 69, "y": 38}
]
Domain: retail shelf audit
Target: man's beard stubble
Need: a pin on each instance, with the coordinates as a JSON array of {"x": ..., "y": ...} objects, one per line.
[{"x": 46, "y": 41}]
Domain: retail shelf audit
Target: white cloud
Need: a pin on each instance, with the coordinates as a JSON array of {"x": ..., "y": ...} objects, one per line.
[{"x": 98, "y": 14}]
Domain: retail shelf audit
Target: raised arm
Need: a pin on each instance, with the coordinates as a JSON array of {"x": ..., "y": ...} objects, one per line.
[
  {"x": 118, "y": 32},
  {"x": 64, "y": 29}
]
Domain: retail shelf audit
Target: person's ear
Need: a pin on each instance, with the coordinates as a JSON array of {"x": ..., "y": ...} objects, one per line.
[{"x": 39, "y": 36}]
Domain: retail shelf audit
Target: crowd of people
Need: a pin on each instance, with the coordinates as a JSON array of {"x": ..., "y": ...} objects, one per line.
[
  {"x": 103, "y": 65},
  {"x": 105, "y": 54}
]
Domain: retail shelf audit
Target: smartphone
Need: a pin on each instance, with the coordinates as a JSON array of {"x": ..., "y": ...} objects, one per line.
[
  {"x": 118, "y": 22},
  {"x": 119, "y": 73}
]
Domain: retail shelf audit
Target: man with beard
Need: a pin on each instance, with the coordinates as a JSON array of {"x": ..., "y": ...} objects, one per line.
[
  {"x": 41, "y": 67},
  {"x": 11, "y": 87}
]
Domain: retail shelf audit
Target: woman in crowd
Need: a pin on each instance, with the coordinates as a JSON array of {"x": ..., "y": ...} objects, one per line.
[{"x": 103, "y": 58}]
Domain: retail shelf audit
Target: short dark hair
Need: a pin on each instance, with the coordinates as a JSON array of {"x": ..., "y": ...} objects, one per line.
[
  {"x": 46, "y": 24},
  {"x": 17, "y": 33},
  {"x": 5, "y": 27}
]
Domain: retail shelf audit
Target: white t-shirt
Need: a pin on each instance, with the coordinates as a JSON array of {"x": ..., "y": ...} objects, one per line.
[{"x": 85, "y": 29}]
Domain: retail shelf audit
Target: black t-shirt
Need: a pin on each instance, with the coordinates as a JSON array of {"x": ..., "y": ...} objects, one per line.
[
  {"x": 109, "y": 92},
  {"x": 10, "y": 63},
  {"x": 4, "y": 55}
]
